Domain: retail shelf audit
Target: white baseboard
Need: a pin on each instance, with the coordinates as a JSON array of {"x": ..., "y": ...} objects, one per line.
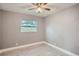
[
  {"x": 60, "y": 49},
  {"x": 27, "y": 45}
]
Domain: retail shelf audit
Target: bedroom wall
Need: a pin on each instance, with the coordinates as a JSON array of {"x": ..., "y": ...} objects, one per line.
[
  {"x": 0, "y": 29},
  {"x": 11, "y": 30},
  {"x": 62, "y": 29}
]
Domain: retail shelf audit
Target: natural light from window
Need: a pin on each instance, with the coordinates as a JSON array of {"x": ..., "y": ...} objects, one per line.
[{"x": 28, "y": 26}]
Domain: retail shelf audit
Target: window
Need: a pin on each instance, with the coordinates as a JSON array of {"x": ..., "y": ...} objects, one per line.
[{"x": 28, "y": 26}]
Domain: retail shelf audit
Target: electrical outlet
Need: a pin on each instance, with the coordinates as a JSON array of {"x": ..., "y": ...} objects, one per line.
[{"x": 17, "y": 44}]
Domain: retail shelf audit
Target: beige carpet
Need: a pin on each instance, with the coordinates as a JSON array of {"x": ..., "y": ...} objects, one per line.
[{"x": 36, "y": 50}]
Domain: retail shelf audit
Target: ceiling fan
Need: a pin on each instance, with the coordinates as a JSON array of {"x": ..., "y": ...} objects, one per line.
[{"x": 39, "y": 7}]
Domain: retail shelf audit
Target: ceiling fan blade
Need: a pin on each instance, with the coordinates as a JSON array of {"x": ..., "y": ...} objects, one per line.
[
  {"x": 40, "y": 3},
  {"x": 37, "y": 4},
  {"x": 45, "y": 3},
  {"x": 47, "y": 9},
  {"x": 33, "y": 3}
]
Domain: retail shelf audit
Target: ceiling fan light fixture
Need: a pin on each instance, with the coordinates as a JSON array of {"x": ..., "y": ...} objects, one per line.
[{"x": 38, "y": 10}]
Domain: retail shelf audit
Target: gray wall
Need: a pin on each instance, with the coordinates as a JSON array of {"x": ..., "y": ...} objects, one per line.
[
  {"x": 62, "y": 29},
  {"x": 0, "y": 29},
  {"x": 11, "y": 30}
]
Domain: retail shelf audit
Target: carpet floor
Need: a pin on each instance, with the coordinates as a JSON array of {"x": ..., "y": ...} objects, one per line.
[{"x": 36, "y": 50}]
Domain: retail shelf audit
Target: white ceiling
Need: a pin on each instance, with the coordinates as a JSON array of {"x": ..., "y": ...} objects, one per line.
[{"x": 19, "y": 7}]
